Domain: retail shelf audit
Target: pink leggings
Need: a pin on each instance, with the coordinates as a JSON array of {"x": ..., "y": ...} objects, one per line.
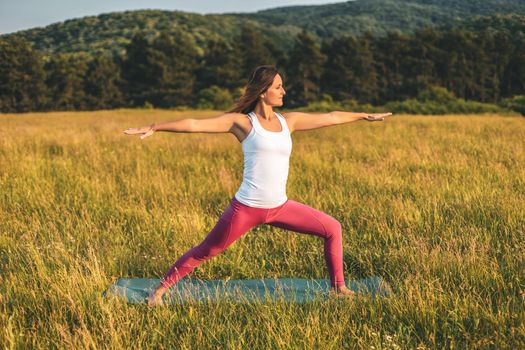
[{"x": 239, "y": 218}]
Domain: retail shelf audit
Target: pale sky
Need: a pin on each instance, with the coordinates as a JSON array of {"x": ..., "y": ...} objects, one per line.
[{"x": 17, "y": 15}]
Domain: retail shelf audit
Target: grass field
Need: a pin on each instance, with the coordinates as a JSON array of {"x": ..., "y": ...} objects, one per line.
[{"x": 435, "y": 205}]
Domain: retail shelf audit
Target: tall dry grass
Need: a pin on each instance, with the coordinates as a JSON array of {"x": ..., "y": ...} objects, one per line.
[{"x": 434, "y": 205}]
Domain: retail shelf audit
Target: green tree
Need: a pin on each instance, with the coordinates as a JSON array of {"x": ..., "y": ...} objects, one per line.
[
  {"x": 304, "y": 70},
  {"x": 22, "y": 87},
  {"x": 65, "y": 82},
  {"x": 138, "y": 71},
  {"x": 254, "y": 51},
  {"x": 514, "y": 75},
  {"x": 349, "y": 71},
  {"x": 101, "y": 83},
  {"x": 501, "y": 57},
  {"x": 419, "y": 63},
  {"x": 174, "y": 66},
  {"x": 459, "y": 72},
  {"x": 391, "y": 52},
  {"x": 219, "y": 66}
]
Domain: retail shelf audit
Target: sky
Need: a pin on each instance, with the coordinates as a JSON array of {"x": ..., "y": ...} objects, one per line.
[{"x": 17, "y": 15}]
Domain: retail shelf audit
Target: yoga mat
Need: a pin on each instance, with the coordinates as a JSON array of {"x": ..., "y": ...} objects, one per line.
[{"x": 297, "y": 290}]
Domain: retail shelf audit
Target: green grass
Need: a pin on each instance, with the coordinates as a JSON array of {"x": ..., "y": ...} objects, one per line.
[{"x": 435, "y": 205}]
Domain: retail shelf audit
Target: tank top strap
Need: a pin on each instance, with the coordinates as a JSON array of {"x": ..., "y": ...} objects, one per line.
[
  {"x": 252, "y": 117},
  {"x": 254, "y": 120},
  {"x": 283, "y": 121}
]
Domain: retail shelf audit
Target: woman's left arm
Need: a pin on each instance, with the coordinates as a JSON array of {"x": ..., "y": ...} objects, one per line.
[{"x": 306, "y": 121}]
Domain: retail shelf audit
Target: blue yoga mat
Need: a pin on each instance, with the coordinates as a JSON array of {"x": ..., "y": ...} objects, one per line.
[{"x": 296, "y": 290}]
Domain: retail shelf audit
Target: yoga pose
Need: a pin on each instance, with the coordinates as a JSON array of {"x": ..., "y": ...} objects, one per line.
[{"x": 261, "y": 198}]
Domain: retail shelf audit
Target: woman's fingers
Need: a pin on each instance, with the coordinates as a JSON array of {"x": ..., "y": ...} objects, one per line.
[
  {"x": 377, "y": 117},
  {"x": 146, "y": 131},
  {"x": 134, "y": 131},
  {"x": 149, "y": 133}
]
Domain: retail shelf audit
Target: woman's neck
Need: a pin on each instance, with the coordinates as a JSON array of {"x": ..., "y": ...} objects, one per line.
[{"x": 264, "y": 111}]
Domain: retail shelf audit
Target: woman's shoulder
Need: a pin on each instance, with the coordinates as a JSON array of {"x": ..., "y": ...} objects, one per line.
[
  {"x": 285, "y": 115},
  {"x": 240, "y": 117},
  {"x": 236, "y": 117},
  {"x": 242, "y": 121}
]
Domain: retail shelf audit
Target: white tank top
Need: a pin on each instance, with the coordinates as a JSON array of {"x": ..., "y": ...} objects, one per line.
[{"x": 266, "y": 161}]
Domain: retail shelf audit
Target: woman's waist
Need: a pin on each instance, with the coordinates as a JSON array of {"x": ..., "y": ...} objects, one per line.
[
  {"x": 265, "y": 170},
  {"x": 261, "y": 199},
  {"x": 265, "y": 185}
]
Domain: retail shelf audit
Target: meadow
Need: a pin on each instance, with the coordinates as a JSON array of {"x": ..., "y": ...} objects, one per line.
[{"x": 433, "y": 204}]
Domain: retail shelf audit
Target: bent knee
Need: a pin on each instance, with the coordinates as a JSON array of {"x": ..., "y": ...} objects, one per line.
[{"x": 333, "y": 227}]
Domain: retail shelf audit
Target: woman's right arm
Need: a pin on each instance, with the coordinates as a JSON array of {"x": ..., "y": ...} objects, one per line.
[{"x": 222, "y": 123}]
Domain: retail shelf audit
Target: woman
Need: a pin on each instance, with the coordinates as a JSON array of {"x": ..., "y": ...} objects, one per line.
[{"x": 261, "y": 198}]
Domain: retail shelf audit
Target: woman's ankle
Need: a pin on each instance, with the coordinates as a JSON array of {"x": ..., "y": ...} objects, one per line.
[
  {"x": 159, "y": 290},
  {"x": 342, "y": 286}
]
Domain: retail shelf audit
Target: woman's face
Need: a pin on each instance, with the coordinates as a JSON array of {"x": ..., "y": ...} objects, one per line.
[{"x": 273, "y": 96}]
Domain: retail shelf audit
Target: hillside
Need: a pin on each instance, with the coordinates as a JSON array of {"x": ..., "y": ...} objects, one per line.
[
  {"x": 112, "y": 31},
  {"x": 380, "y": 16}
]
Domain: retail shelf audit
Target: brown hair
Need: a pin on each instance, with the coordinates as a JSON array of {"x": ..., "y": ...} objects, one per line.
[{"x": 261, "y": 80}]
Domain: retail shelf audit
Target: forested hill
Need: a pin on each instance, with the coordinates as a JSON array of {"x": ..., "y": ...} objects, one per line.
[
  {"x": 380, "y": 16},
  {"x": 112, "y": 31}
]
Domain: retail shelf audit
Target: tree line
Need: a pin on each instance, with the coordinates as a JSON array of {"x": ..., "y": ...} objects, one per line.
[{"x": 167, "y": 71}]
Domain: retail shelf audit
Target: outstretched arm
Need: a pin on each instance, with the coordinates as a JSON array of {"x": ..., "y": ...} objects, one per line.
[
  {"x": 222, "y": 123},
  {"x": 306, "y": 121}
]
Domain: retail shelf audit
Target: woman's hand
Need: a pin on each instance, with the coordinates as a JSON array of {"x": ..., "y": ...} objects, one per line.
[
  {"x": 146, "y": 131},
  {"x": 377, "y": 117}
]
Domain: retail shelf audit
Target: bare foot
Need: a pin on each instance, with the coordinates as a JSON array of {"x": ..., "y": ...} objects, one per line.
[
  {"x": 341, "y": 292},
  {"x": 155, "y": 297},
  {"x": 154, "y": 300}
]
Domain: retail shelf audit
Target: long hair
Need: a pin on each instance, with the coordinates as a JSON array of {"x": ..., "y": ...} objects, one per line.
[{"x": 261, "y": 80}]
